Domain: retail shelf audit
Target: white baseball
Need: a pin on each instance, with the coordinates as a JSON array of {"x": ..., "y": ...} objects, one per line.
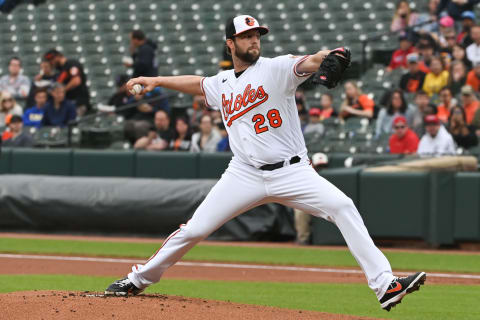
[{"x": 136, "y": 89}]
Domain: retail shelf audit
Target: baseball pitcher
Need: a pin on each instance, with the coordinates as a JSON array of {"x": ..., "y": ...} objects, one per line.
[{"x": 270, "y": 163}]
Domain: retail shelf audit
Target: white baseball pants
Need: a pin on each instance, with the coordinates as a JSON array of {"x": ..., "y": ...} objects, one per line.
[{"x": 243, "y": 187}]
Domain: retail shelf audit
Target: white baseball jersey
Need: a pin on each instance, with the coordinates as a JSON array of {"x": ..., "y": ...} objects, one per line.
[
  {"x": 261, "y": 118},
  {"x": 258, "y": 109}
]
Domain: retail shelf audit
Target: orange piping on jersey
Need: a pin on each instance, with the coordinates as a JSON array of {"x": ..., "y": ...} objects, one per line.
[
  {"x": 296, "y": 65},
  {"x": 204, "y": 95}
]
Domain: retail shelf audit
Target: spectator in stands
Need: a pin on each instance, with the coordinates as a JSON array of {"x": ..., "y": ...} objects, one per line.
[
  {"x": 412, "y": 81},
  {"x": 476, "y": 121},
  {"x": 403, "y": 17},
  {"x": 314, "y": 125},
  {"x": 468, "y": 21},
  {"x": 437, "y": 78},
  {"x": 399, "y": 56},
  {"x": 458, "y": 76},
  {"x": 44, "y": 79},
  {"x": 216, "y": 116},
  {"x": 224, "y": 144},
  {"x": 473, "y": 50},
  {"x": 300, "y": 101},
  {"x": 463, "y": 134},
  {"x": 46, "y": 73},
  {"x": 473, "y": 77},
  {"x": 327, "y": 111},
  {"x": 431, "y": 15},
  {"x": 450, "y": 42},
  {"x": 455, "y": 8},
  {"x": 469, "y": 103},
  {"x": 427, "y": 53},
  {"x": 143, "y": 55},
  {"x": 33, "y": 116},
  {"x": 159, "y": 136},
  {"x": 15, "y": 136},
  {"x": 447, "y": 26},
  {"x": 197, "y": 110},
  {"x": 121, "y": 96},
  {"x": 459, "y": 54},
  {"x": 397, "y": 106},
  {"x": 73, "y": 79},
  {"x": 182, "y": 137},
  {"x": 436, "y": 141},
  {"x": 403, "y": 140},
  {"x": 140, "y": 118},
  {"x": 207, "y": 139},
  {"x": 447, "y": 103},
  {"x": 61, "y": 111},
  {"x": 423, "y": 108},
  {"x": 15, "y": 83},
  {"x": 446, "y": 61},
  {"x": 8, "y": 105},
  {"x": 356, "y": 104}
]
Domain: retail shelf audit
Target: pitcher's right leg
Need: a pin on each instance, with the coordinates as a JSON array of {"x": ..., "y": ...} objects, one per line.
[{"x": 240, "y": 189}]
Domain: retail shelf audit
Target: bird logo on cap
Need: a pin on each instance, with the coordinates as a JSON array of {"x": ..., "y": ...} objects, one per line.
[{"x": 249, "y": 21}]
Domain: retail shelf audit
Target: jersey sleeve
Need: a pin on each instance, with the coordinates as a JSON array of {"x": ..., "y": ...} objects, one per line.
[
  {"x": 210, "y": 91},
  {"x": 285, "y": 74}
]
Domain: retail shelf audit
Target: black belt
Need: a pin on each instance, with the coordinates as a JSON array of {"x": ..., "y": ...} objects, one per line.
[{"x": 278, "y": 165}]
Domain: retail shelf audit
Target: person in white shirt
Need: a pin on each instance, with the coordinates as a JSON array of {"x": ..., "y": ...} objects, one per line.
[
  {"x": 15, "y": 83},
  {"x": 207, "y": 138},
  {"x": 314, "y": 126},
  {"x": 473, "y": 50},
  {"x": 436, "y": 141}
]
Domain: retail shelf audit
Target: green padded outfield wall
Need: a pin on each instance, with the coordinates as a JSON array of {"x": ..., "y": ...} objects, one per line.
[
  {"x": 437, "y": 207},
  {"x": 212, "y": 166},
  {"x": 92, "y": 163},
  {"x": 167, "y": 165},
  {"x": 395, "y": 204},
  {"x": 130, "y": 163},
  {"x": 47, "y": 162},
  {"x": 467, "y": 207},
  {"x": 5, "y": 160},
  {"x": 442, "y": 205},
  {"x": 347, "y": 181}
]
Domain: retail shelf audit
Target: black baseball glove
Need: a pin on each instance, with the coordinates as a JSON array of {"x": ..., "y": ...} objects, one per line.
[{"x": 332, "y": 68}]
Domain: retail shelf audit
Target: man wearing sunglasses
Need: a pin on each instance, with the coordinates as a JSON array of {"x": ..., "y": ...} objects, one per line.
[{"x": 403, "y": 140}]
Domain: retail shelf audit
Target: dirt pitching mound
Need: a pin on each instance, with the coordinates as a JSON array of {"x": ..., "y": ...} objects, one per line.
[{"x": 90, "y": 305}]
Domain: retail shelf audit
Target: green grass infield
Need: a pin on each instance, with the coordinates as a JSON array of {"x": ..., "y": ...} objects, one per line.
[
  {"x": 430, "y": 303},
  {"x": 445, "y": 262}
]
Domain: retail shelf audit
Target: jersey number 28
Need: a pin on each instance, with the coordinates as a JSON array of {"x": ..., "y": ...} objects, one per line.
[{"x": 273, "y": 117}]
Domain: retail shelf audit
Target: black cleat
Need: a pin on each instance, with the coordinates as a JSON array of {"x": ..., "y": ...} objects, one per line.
[
  {"x": 122, "y": 287},
  {"x": 401, "y": 287}
]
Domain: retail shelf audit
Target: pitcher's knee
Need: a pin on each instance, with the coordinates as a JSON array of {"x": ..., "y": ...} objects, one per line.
[
  {"x": 344, "y": 205},
  {"x": 194, "y": 235}
]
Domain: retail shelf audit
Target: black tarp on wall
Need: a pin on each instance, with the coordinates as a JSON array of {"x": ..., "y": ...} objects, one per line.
[{"x": 125, "y": 206}]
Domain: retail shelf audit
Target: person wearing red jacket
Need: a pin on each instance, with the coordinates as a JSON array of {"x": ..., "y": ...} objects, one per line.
[
  {"x": 399, "y": 56},
  {"x": 403, "y": 140}
]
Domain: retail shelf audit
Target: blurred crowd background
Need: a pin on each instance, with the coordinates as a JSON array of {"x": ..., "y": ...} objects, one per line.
[{"x": 412, "y": 89}]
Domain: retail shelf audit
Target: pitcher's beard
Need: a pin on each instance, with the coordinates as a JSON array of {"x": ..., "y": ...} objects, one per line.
[{"x": 247, "y": 56}]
